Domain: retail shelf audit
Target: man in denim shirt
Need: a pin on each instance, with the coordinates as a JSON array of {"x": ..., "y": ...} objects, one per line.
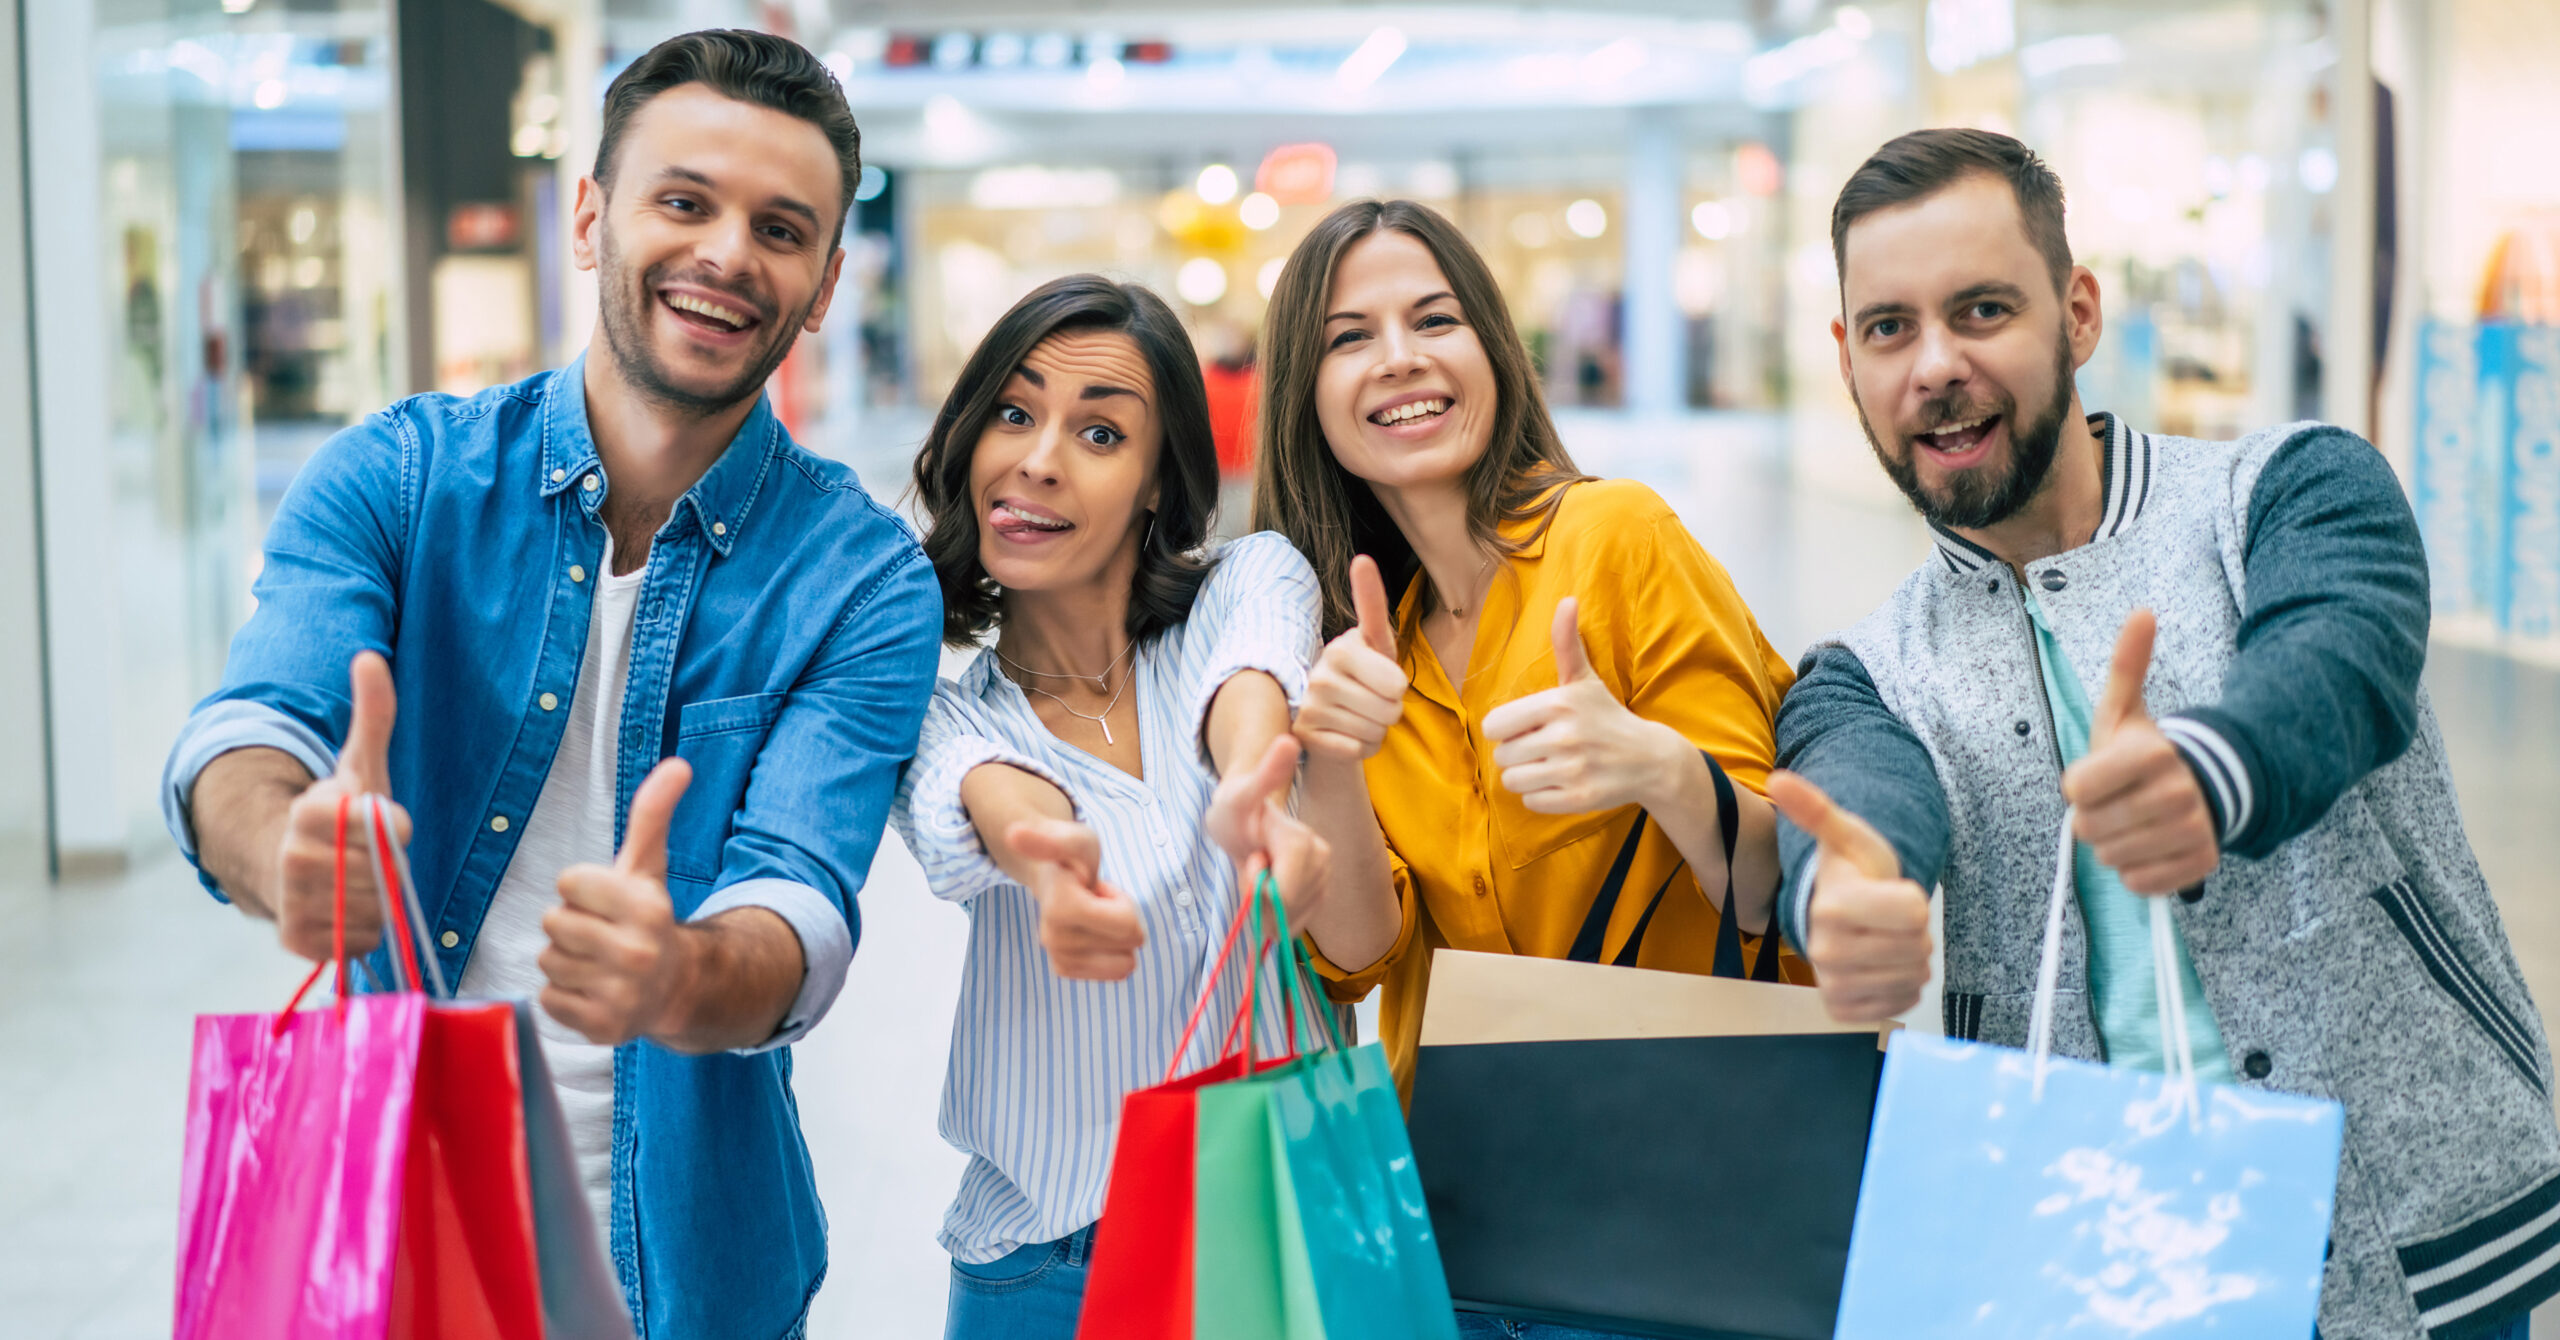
[{"x": 619, "y": 571}]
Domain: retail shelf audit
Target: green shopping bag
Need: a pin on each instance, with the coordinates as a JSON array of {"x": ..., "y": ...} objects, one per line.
[{"x": 1309, "y": 1222}]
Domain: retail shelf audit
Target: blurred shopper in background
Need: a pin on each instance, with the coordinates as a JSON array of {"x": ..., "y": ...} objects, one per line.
[
  {"x": 1099, "y": 787},
  {"x": 1530, "y": 669},
  {"x": 2209, "y": 652},
  {"x": 624, "y": 568}
]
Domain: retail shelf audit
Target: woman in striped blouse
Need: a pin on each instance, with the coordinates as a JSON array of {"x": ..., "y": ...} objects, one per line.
[{"x": 1096, "y": 785}]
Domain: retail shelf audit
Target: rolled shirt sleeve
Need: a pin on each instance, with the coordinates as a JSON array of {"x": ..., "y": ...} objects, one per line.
[
  {"x": 1257, "y": 611},
  {"x": 826, "y": 947},
  {"x": 929, "y": 815},
  {"x": 218, "y": 729}
]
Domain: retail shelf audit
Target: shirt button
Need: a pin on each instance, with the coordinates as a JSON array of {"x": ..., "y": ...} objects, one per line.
[
  {"x": 497, "y": 823},
  {"x": 1182, "y": 897},
  {"x": 549, "y": 701},
  {"x": 1479, "y": 882},
  {"x": 719, "y": 527},
  {"x": 577, "y": 572},
  {"x": 2053, "y": 580},
  {"x": 448, "y": 939},
  {"x": 2022, "y": 728},
  {"x": 592, "y": 484},
  {"x": 558, "y": 475},
  {"x": 2258, "y": 1065},
  {"x": 1992, "y": 587}
]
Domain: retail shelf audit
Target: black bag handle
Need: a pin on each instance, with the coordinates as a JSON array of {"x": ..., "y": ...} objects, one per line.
[{"x": 1728, "y": 955}]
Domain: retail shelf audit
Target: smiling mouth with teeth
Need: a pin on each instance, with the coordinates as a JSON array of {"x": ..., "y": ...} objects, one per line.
[
  {"x": 1961, "y": 436},
  {"x": 1410, "y": 411},
  {"x": 710, "y": 312}
]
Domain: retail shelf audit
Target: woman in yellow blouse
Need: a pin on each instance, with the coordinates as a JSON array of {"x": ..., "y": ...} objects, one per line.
[{"x": 1562, "y": 659}]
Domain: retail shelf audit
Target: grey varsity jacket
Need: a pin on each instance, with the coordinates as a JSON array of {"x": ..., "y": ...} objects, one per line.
[{"x": 2348, "y": 944}]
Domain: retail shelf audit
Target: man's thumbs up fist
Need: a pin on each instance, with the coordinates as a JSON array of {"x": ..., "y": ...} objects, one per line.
[
  {"x": 307, "y": 864},
  {"x": 619, "y": 963},
  {"x": 1867, "y": 933},
  {"x": 2140, "y": 808}
]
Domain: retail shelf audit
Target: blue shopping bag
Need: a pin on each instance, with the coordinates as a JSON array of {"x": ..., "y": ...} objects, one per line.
[{"x": 2010, "y": 1194}]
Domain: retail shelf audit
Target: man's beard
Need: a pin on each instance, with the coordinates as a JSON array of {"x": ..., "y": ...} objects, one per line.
[
  {"x": 1983, "y": 496},
  {"x": 624, "y": 313}
]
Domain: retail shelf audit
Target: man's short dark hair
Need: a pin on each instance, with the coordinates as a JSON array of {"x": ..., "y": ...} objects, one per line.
[
  {"x": 1925, "y": 162},
  {"x": 750, "y": 67}
]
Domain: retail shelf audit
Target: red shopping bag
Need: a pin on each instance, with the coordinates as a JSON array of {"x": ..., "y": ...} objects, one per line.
[
  {"x": 466, "y": 1263},
  {"x": 1139, "y": 1284}
]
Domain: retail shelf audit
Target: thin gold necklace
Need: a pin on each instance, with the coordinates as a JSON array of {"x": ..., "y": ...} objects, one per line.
[
  {"x": 1100, "y": 682},
  {"x": 1460, "y": 611},
  {"x": 1103, "y": 719}
]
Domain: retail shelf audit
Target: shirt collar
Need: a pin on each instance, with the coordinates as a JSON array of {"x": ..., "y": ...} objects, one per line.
[
  {"x": 2125, "y": 482},
  {"x": 1530, "y": 532},
  {"x": 721, "y": 500}
]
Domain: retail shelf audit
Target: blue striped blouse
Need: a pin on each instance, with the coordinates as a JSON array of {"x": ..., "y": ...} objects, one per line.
[{"x": 1039, "y": 1063}]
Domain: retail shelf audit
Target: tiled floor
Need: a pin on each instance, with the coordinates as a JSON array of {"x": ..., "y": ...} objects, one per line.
[{"x": 97, "y": 983}]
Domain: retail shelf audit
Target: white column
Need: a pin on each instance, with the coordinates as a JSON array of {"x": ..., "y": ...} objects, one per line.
[
  {"x": 83, "y": 653},
  {"x": 2346, "y": 373},
  {"x": 24, "y": 785},
  {"x": 1656, "y": 335}
]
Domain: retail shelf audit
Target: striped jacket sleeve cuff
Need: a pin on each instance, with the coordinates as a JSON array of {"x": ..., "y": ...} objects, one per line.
[
  {"x": 936, "y": 825},
  {"x": 2222, "y": 770},
  {"x": 826, "y": 947}
]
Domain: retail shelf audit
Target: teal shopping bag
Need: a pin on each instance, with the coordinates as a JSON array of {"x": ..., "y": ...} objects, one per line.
[
  {"x": 1309, "y": 1221},
  {"x": 2010, "y": 1196}
]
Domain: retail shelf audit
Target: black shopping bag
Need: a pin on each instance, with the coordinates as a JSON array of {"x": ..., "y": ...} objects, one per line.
[{"x": 1646, "y": 1152}]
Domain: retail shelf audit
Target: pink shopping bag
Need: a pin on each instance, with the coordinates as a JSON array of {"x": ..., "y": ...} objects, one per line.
[{"x": 297, "y": 1150}]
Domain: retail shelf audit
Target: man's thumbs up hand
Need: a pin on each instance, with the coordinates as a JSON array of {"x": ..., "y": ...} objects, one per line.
[
  {"x": 1867, "y": 932},
  {"x": 2140, "y": 807},
  {"x": 619, "y": 964},
  {"x": 307, "y": 864}
]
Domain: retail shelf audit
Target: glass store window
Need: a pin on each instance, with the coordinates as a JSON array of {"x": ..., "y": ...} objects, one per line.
[{"x": 215, "y": 281}]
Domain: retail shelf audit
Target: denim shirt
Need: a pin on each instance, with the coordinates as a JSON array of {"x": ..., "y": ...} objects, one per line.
[{"x": 785, "y": 644}]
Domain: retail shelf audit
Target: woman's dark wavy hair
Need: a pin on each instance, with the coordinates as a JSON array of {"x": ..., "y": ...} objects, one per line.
[
  {"x": 1299, "y": 486},
  {"x": 1170, "y": 566}
]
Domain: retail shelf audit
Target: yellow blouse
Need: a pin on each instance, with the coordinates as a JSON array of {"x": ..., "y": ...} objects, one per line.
[{"x": 1473, "y": 868}]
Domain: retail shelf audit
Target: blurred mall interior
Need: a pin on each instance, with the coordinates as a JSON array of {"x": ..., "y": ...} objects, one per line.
[{"x": 238, "y": 225}]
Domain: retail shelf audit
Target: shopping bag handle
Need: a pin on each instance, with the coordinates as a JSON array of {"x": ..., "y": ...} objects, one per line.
[
  {"x": 1240, "y": 1025},
  {"x": 337, "y": 938},
  {"x": 400, "y": 905},
  {"x": 2168, "y": 988},
  {"x": 1728, "y": 951}
]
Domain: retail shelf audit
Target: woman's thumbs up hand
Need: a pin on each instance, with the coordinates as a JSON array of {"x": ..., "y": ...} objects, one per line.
[{"x": 1355, "y": 690}]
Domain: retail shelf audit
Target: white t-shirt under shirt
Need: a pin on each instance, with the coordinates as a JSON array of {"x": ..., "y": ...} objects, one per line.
[{"x": 572, "y": 822}]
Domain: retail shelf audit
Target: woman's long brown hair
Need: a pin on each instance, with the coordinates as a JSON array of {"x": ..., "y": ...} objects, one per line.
[{"x": 1301, "y": 490}]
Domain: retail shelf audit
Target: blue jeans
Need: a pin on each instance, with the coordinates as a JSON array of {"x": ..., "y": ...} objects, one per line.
[
  {"x": 1484, "y": 1326},
  {"x": 1030, "y": 1293}
]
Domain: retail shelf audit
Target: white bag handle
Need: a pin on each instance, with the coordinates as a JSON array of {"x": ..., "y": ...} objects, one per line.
[
  {"x": 2167, "y": 985},
  {"x": 378, "y": 811}
]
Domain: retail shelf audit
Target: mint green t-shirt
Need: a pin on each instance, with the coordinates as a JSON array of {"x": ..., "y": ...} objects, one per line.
[{"x": 2122, "y": 993}]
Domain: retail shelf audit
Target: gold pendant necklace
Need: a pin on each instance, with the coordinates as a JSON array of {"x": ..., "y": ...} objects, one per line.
[{"x": 1104, "y": 719}]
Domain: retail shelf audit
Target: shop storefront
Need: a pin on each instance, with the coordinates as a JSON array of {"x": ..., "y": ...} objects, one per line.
[{"x": 254, "y": 220}]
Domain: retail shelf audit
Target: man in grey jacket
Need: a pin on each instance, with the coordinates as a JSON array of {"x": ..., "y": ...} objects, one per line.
[{"x": 2210, "y": 652}]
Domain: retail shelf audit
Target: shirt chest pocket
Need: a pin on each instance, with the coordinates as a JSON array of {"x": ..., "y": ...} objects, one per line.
[{"x": 720, "y": 737}]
